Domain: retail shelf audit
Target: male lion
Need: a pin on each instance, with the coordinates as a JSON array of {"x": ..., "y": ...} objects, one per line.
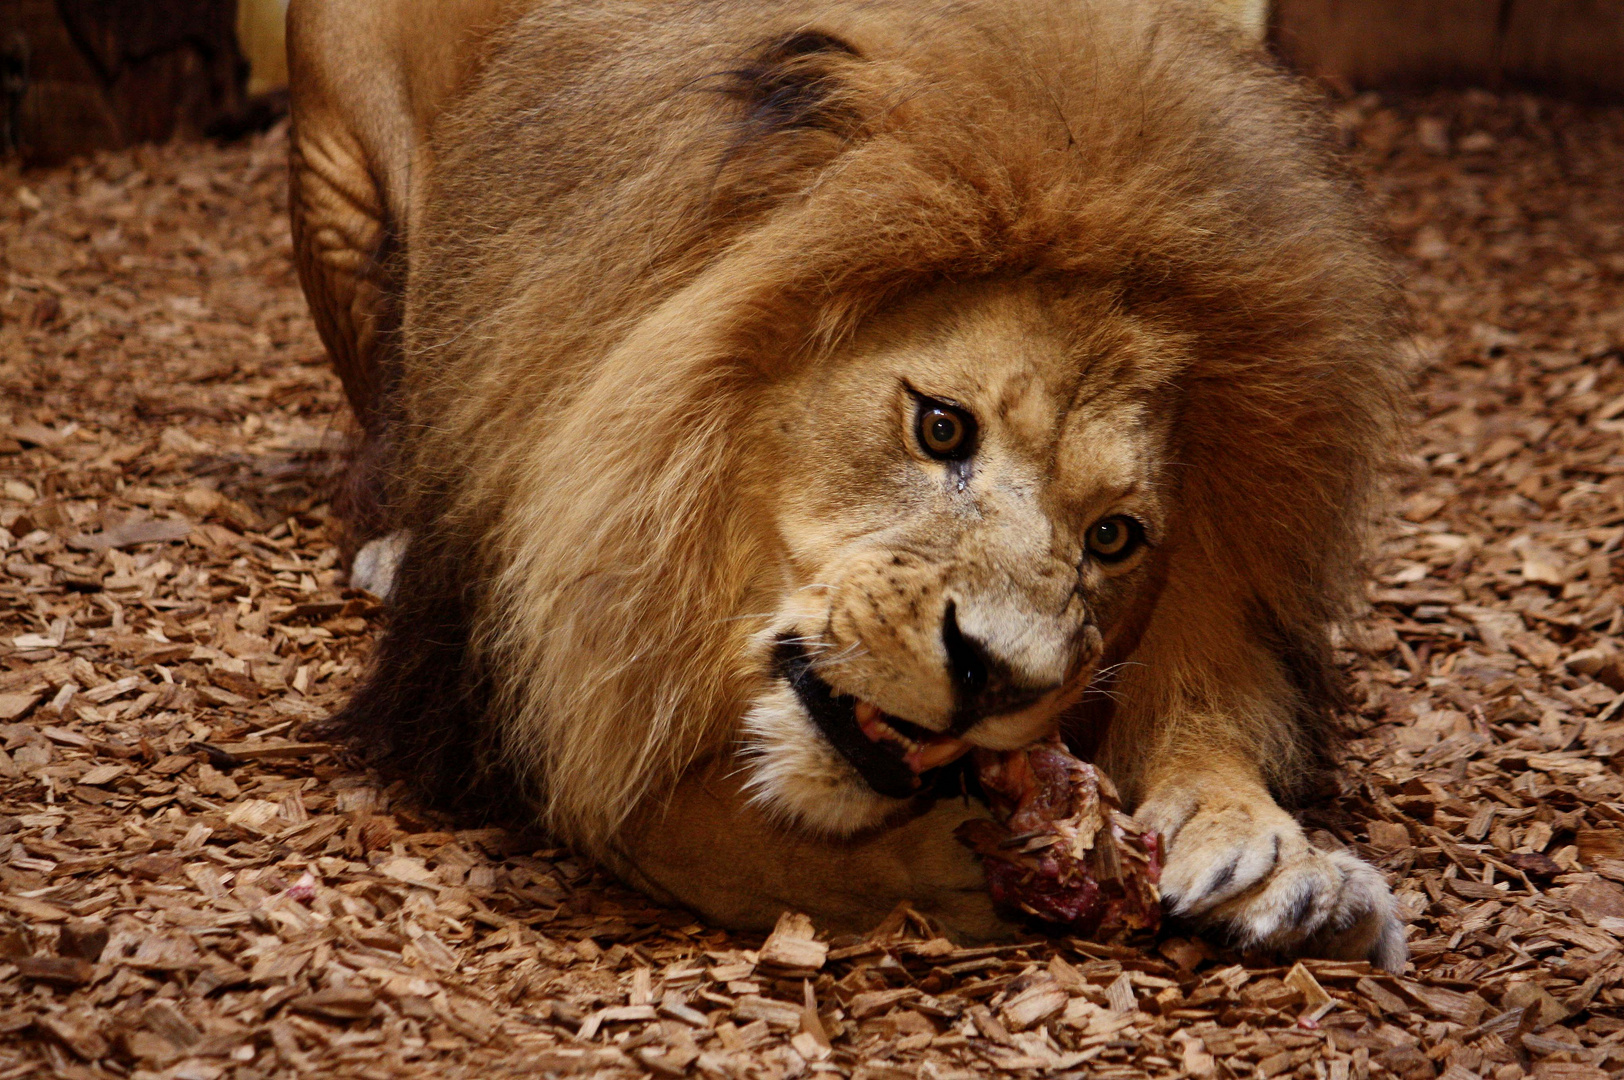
[{"x": 783, "y": 397}]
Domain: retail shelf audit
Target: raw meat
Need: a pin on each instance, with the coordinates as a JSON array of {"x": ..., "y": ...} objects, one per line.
[{"x": 1061, "y": 849}]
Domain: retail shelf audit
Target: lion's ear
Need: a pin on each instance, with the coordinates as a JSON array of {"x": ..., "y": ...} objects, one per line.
[{"x": 794, "y": 83}]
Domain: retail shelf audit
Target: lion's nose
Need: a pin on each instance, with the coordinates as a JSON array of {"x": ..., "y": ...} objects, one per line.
[{"x": 984, "y": 685}]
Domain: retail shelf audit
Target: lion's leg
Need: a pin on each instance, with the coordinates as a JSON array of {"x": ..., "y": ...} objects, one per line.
[
  {"x": 709, "y": 849},
  {"x": 366, "y": 80},
  {"x": 349, "y": 148},
  {"x": 1208, "y": 723}
]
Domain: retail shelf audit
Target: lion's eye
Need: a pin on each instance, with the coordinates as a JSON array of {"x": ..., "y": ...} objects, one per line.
[
  {"x": 1114, "y": 538},
  {"x": 945, "y": 432}
]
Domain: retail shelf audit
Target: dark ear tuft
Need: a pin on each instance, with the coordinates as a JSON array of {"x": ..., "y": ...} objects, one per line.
[{"x": 793, "y": 84}]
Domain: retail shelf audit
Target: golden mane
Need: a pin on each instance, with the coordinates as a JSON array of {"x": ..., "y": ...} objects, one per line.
[{"x": 620, "y": 243}]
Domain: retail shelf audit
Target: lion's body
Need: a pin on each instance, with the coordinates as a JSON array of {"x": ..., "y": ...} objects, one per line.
[{"x": 653, "y": 285}]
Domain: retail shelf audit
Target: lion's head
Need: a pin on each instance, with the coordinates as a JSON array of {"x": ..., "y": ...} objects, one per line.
[
  {"x": 835, "y": 387},
  {"x": 969, "y": 494}
]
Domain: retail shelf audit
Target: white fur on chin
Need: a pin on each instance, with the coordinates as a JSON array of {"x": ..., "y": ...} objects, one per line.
[{"x": 798, "y": 778}]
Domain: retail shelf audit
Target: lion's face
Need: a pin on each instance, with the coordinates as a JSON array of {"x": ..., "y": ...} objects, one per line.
[{"x": 970, "y": 497}]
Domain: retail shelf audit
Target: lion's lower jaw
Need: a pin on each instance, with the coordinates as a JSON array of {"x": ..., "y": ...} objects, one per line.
[{"x": 796, "y": 778}]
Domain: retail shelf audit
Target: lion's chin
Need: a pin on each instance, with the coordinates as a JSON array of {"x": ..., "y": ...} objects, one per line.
[{"x": 799, "y": 779}]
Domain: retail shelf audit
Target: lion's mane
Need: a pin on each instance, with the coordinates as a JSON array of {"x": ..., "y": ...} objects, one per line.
[{"x": 639, "y": 212}]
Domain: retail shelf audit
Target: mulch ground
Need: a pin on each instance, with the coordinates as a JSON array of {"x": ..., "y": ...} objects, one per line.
[{"x": 190, "y": 889}]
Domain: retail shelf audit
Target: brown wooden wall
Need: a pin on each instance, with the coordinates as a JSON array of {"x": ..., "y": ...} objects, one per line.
[
  {"x": 79, "y": 75},
  {"x": 1571, "y": 46}
]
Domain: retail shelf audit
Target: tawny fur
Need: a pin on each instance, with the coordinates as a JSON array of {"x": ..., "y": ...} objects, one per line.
[{"x": 635, "y": 227}]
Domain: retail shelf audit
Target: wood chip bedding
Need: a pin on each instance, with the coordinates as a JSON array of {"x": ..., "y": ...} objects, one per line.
[{"x": 191, "y": 889}]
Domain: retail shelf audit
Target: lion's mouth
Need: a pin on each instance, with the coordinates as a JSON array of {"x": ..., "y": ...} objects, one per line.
[{"x": 890, "y": 754}]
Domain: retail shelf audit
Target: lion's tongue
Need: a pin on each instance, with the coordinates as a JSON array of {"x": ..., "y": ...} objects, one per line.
[
  {"x": 920, "y": 756},
  {"x": 938, "y": 751}
]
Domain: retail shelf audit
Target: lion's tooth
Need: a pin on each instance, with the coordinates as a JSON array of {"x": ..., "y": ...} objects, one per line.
[
  {"x": 898, "y": 737},
  {"x": 868, "y": 719},
  {"x": 873, "y": 724}
]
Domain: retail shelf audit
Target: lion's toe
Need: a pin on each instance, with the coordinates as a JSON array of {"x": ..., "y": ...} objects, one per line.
[
  {"x": 1219, "y": 856},
  {"x": 1362, "y": 922}
]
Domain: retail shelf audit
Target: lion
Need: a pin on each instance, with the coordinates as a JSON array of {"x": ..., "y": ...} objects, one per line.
[{"x": 769, "y": 401}]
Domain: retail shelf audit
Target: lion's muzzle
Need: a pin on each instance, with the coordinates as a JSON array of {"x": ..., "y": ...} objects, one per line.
[
  {"x": 894, "y": 755},
  {"x": 984, "y": 683}
]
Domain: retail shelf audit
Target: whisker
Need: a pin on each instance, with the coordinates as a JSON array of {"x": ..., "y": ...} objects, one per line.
[
  {"x": 1106, "y": 672},
  {"x": 814, "y": 644},
  {"x": 850, "y": 652}
]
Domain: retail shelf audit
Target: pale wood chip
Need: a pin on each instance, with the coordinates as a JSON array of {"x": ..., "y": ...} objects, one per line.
[{"x": 792, "y": 949}]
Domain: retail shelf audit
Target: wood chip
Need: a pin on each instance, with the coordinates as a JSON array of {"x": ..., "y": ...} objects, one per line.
[
  {"x": 66, "y": 972},
  {"x": 33, "y": 909},
  {"x": 1033, "y": 1005},
  {"x": 792, "y": 949},
  {"x": 1316, "y": 1002},
  {"x": 1120, "y": 994},
  {"x": 779, "y": 1014},
  {"x": 15, "y": 706},
  {"x": 104, "y": 774},
  {"x": 875, "y": 1002}
]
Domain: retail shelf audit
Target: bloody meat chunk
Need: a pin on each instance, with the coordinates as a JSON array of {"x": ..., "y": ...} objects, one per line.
[{"x": 1061, "y": 849}]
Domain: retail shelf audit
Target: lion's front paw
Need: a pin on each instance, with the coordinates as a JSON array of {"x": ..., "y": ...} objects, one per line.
[{"x": 1249, "y": 872}]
